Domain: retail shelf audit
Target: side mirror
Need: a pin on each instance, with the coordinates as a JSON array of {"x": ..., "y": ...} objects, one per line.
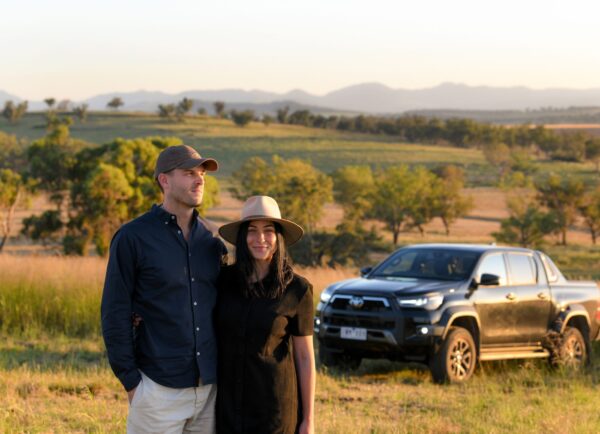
[
  {"x": 365, "y": 270},
  {"x": 489, "y": 280}
]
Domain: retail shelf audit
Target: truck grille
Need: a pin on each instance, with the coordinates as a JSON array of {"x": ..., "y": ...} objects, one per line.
[{"x": 356, "y": 303}]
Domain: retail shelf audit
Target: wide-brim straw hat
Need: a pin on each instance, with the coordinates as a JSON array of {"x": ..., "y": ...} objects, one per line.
[{"x": 262, "y": 208}]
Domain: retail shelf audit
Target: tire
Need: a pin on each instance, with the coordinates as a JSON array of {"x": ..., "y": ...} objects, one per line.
[
  {"x": 571, "y": 350},
  {"x": 341, "y": 360},
  {"x": 456, "y": 358}
]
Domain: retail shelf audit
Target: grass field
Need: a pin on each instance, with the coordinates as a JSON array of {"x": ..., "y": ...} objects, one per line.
[
  {"x": 326, "y": 149},
  {"x": 54, "y": 377}
]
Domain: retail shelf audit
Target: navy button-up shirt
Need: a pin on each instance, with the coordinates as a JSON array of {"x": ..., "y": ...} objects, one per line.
[{"x": 170, "y": 282}]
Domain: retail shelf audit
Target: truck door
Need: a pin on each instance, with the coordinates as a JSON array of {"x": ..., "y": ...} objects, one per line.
[
  {"x": 527, "y": 282},
  {"x": 495, "y": 309}
]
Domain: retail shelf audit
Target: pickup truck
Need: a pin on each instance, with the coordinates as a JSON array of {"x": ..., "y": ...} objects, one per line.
[{"x": 453, "y": 305}]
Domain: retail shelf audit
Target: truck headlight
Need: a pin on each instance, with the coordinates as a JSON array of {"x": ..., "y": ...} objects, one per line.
[
  {"x": 428, "y": 302},
  {"x": 326, "y": 294}
]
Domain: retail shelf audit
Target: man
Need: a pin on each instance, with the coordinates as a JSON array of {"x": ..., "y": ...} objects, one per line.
[{"x": 163, "y": 266}]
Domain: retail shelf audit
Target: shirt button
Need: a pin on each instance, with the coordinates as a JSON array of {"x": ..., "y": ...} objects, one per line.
[
  {"x": 197, "y": 329},
  {"x": 166, "y": 223},
  {"x": 172, "y": 217},
  {"x": 198, "y": 353},
  {"x": 192, "y": 279},
  {"x": 195, "y": 304},
  {"x": 179, "y": 232}
]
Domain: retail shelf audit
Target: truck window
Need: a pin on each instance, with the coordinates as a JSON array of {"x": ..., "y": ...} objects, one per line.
[
  {"x": 550, "y": 268},
  {"x": 522, "y": 271},
  {"x": 493, "y": 264}
]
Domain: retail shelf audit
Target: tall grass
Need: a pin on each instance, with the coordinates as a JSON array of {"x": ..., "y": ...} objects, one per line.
[
  {"x": 61, "y": 295},
  {"x": 50, "y": 295}
]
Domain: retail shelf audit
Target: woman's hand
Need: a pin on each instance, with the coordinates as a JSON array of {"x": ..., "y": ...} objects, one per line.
[{"x": 306, "y": 427}]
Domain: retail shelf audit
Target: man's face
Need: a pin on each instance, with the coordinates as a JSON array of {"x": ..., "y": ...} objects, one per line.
[{"x": 185, "y": 186}]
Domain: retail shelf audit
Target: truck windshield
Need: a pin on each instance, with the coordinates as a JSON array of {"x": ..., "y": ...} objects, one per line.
[{"x": 434, "y": 264}]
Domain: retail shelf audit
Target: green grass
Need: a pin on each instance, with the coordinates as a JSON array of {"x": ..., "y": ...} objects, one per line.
[
  {"x": 326, "y": 149},
  {"x": 65, "y": 385}
]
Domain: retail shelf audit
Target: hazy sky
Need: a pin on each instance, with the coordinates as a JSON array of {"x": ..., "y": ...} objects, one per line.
[{"x": 76, "y": 49}]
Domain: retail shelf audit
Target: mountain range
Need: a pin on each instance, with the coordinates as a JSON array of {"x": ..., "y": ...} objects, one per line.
[{"x": 373, "y": 98}]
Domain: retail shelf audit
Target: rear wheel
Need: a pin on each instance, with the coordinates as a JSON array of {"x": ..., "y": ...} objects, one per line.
[
  {"x": 333, "y": 359},
  {"x": 455, "y": 360}
]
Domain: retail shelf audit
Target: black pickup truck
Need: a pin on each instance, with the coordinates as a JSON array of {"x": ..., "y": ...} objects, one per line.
[{"x": 452, "y": 305}]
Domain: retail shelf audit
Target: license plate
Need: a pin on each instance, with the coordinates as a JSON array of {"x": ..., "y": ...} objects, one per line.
[{"x": 354, "y": 333}]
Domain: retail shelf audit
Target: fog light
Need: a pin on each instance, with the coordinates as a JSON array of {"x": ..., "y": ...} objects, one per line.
[
  {"x": 424, "y": 330},
  {"x": 317, "y": 321}
]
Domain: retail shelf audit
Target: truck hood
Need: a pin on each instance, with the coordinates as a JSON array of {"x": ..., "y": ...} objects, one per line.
[{"x": 400, "y": 286}]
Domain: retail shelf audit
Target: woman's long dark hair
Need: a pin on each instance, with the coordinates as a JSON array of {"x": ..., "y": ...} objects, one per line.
[{"x": 280, "y": 270}]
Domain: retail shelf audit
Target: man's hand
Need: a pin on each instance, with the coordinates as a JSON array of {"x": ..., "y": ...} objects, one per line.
[{"x": 130, "y": 394}]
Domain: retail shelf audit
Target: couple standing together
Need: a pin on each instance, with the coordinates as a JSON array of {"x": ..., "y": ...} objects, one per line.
[{"x": 251, "y": 322}]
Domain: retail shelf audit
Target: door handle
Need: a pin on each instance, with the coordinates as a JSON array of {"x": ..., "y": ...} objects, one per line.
[
  {"x": 511, "y": 296},
  {"x": 542, "y": 296}
]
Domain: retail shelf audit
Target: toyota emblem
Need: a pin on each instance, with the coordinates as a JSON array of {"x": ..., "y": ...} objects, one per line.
[{"x": 356, "y": 302}]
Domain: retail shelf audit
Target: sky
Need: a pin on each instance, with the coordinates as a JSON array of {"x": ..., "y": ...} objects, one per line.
[{"x": 77, "y": 49}]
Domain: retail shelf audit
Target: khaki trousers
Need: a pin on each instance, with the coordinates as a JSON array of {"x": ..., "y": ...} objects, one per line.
[{"x": 159, "y": 409}]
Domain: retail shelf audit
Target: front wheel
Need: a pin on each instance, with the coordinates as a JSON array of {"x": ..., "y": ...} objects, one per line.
[{"x": 455, "y": 360}]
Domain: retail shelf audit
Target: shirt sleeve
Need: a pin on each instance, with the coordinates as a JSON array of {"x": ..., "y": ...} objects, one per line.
[
  {"x": 116, "y": 309},
  {"x": 302, "y": 322}
]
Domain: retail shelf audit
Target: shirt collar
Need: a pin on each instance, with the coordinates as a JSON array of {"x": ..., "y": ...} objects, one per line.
[{"x": 167, "y": 217}]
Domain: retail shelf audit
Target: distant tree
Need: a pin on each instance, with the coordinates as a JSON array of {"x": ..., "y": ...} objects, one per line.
[
  {"x": 592, "y": 151},
  {"x": 498, "y": 156},
  {"x": 563, "y": 198},
  {"x": 395, "y": 198},
  {"x": 201, "y": 111},
  {"x": 267, "y": 120},
  {"x": 219, "y": 108},
  {"x": 448, "y": 200},
  {"x": 590, "y": 211},
  {"x": 282, "y": 114},
  {"x": 300, "y": 117},
  {"x": 81, "y": 112},
  {"x": 526, "y": 226},
  {"x": 44, "y": 227},
  {"x": 13, "y": 113},
  {"x": 12, "y": 155},
  {"x": 184, "y": 107},
  {"x": 12, "y": 192},
  {"x": 167, "y": 111},
  {"x": 211, "y": 195},
  {"x": 243, "y": 118},
  {"x": 50, "y": 102},
  {"x": 63, "y": 106},
  {"x": 115, "y": 103},
  {"x": 353, "y": 189}
]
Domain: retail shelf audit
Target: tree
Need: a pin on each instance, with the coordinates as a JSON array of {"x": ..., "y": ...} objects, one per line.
[
  {"x": 12, "y": 191},
  {"x": 267, "y": 120},
  {"x": 353, "y": 189},
  {"x": 590, "y": 211},
  {"x": 184, "y": 107},
  {"x": 563, "y": 198},
  {"x": 299, "y": 188},
  {"x": 449, "y": 203},
  {"x": 13, "y": 113},
  {"x": 12, "y": 155},
  {"x": 201, "y": 111},
  {"x": 115, "y": 103},
  {"x": 282, "y": 114},
  {"x": 219, "y": 108},
  {"x": 166, "y": 111},
  {"x": 526, "y": 225},
  {"x": 243, "y": 118},
  {"x": 592, "y": 152},
  {"x": 50, "y": 102},
  {"x": 498, "y": 156},
  {"x": 44, "y": 228},
  {"x": 81, "y": 112},
  {"x": 63, "y": 105}
]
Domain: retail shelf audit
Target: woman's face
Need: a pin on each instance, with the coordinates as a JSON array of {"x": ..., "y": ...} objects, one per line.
[{"x": 262, "y": 240}]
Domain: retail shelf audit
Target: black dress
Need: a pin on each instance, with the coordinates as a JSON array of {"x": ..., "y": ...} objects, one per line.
[{"x": 257, "y": 385}]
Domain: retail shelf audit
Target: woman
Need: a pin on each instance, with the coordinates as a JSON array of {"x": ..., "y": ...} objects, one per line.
[{"x": 264, "y": 322}]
